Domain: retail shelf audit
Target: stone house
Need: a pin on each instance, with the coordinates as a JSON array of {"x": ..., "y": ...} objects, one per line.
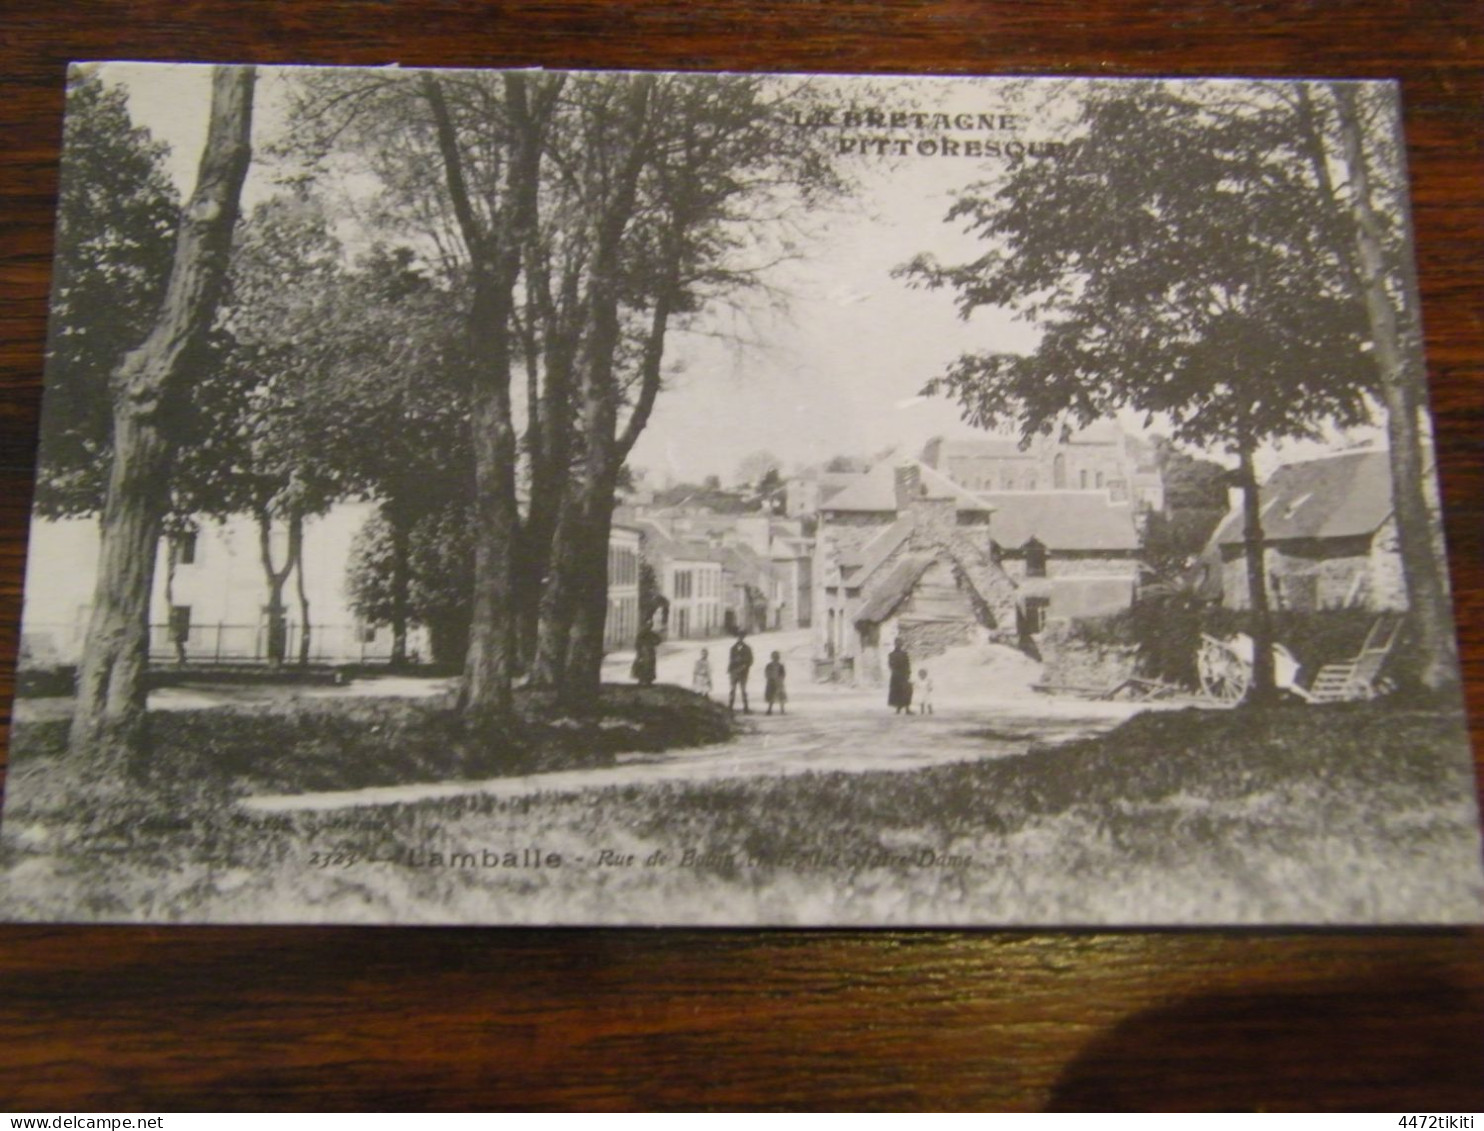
[
  {"x": 905, "y": 552},
  {"x": 1071, "y": 554},
  {"x": 1098, "y": 457},
  {"x": 1329, "y": 537},
  {"x": 689, "y": 577},
  {"x": 766, "y": 561}
]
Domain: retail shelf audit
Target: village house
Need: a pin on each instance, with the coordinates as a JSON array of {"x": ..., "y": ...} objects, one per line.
[
  {"x": 688, "y": 576},
  {"x": 1329, "y": 538},
  {"x": 906, "y": 553},
  {"x": 1071, "y": 554},
  {"x": 209, "y": 602},
  {"x": 625, "y": 548},
  {"x": 1098, "y": 457},
  {"x": 766, "y": 562},
  {"x": 807, "y": 493}
]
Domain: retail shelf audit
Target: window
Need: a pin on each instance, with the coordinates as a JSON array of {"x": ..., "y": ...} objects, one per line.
[
  {"x": 623, "y": 566},
  {"x": 1035, "y": 559},
  {"x": 180, "y": 623},
  {"x": 1036, "y": 609},
  {"x": 1082, "y": 477},
  {"x": 1099, "y": 480},
  {"x": 684, "y": 584},
  {"x": 185, "y": 548},
  {"x": 367, "y": 634}
]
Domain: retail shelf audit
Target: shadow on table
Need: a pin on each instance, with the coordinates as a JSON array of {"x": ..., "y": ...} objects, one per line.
[{"x": 1401, "y": 1041}]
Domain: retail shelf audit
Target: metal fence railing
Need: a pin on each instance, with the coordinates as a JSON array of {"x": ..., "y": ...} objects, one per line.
[{"x": 44, "y": 645}]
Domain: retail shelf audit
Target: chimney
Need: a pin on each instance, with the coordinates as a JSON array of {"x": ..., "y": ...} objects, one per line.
[{"x": 908, "y": 486}]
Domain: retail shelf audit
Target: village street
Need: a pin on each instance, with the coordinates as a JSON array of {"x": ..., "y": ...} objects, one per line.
[{"x": 984, "y": 709}]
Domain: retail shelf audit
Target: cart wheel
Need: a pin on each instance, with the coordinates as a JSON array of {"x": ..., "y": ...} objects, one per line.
[{"x": 1224, "y": 675}]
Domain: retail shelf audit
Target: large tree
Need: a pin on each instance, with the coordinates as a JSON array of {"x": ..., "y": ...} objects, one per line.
[
  {"x": 1364, "y": 128},
  {"x": 1176, "y": 263},
  {"x": 400, "y": 431},
  {"x": 423, "y": 575},
  {"x": 266, "y": 448},
  {"x": 148, "y": 383},
  {"x": 573, "y": 221},
  {"x": 676, "y": 195},
  {"x": 455, "y": 158}
]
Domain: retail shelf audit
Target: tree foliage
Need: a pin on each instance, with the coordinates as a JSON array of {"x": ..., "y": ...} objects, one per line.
[
  {"x": 440, "y": 571},
  {"x": 572, "y": 223},
  {"x": 1178, "y": 260},
  {"x": 116, "y": 218},
  {"x": 1175, "y": 263}
]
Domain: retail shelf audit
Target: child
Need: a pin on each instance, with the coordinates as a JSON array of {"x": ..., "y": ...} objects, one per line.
[
  {"x": 700, "y": 678},
  {"x": 924, "y": 692},
  {"x": 773, "y": 689}
]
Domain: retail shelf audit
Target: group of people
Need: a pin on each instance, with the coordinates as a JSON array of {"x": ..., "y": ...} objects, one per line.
[
  {"x": 739, "y": 667},
  {"x": 901, "y": 689}
]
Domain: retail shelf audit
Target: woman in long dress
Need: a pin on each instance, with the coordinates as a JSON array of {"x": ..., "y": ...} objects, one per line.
[
  {"x": 899, "y": 689},
  {"x": 646, "y": 655}
]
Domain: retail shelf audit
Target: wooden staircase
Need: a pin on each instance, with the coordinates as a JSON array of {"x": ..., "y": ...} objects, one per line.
[{"x": 1359, "y": 678}]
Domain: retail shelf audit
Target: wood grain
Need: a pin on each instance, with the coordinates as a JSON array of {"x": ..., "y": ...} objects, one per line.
[{"x": 156, "y": 1018}]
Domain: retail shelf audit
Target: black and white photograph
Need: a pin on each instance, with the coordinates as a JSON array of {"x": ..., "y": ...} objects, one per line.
[{"x": 573, "y": 497}]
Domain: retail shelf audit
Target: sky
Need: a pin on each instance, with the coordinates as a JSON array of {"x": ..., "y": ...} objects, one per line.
[{"x": 834, "y": 361}]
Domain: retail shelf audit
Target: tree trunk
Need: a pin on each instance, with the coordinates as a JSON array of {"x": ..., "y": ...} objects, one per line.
[
  {"x": 177, "y": 637},
  {"x": 584, "y": 676},
  {"x": 494, "y": 249},
  {"x": 397, "y": 523},
  {"x": 1435, "y": 659},
  {"x": 1263, "y": 689},
  {"x": 485, "y": 697},
  {"x": 108, "y": 724},
  {"x": 558, "y": 599},
  {"x": 448, "y": 637},
  {"x": 305, "y": 632},
  {"x": 274, "y": 580}
]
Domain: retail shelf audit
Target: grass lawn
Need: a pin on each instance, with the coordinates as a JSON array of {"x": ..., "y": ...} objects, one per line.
[{"x": 1340, "y": 814}]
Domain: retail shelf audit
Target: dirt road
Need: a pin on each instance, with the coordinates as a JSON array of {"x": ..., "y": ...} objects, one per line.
[{"x": 827, "y": 728}]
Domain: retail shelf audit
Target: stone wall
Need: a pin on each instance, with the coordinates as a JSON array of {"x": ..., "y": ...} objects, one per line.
[
  {"x": 1077, "y": 664},
  {"x": 1329, "y": 574},
  {"x": 927, "y": 639},
  {"x": 1074, "y": 565}
]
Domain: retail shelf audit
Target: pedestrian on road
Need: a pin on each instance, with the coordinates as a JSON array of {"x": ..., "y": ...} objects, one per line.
[
  {"x": 646, "y": 656},
  {"x": 773, "y": 688},
  {"x": 924, "y": 692},
  {"x": 700, "y": 678},
  {"x": 899, "y": 689},
  {"x": 739, "y": 666}
]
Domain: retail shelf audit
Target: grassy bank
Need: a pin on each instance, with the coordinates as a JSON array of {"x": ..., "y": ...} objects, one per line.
[
  {"x": 297, "y": 745},
  {"x": 1351, "y": 813}
]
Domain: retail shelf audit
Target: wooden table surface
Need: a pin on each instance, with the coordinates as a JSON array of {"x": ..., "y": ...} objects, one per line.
[{"x": 159, "y": 1019}]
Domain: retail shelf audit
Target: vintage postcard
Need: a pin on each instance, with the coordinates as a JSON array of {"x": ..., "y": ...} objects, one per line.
[{"x": 539, "y": 497}]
